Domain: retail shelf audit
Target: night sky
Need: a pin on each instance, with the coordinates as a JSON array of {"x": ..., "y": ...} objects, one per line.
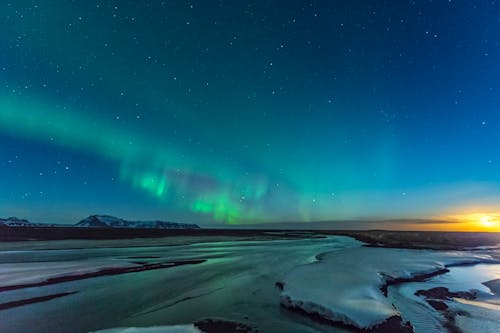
[{"x": 235, "y": 112}]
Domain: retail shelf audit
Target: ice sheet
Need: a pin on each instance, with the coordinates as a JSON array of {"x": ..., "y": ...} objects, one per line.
[{"x": 345, "y": 285}]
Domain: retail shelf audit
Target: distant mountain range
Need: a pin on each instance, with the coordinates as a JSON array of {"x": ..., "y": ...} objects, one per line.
[
  {"x": 15, "y": 222},
  {"x": 102, "y": 221},
  {"x": 106, "y": 221}
]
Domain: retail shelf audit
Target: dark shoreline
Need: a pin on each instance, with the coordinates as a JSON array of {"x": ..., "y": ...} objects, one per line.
[
  {"x": 26, "y": 301},
  {"x": 15, "y": 234},
  {"x": 394, "y": 324},
  {"x": 435, "y": 240}
]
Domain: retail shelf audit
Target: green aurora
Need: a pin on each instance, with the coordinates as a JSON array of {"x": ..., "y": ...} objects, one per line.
[{"x": 248, "y": 112}]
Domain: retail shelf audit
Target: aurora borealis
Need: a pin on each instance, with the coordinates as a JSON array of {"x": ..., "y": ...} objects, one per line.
[{"x": 235, "y": 112}]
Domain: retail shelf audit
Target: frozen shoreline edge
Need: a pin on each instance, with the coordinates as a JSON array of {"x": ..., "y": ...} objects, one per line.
[{"x": 394, "y": 323}]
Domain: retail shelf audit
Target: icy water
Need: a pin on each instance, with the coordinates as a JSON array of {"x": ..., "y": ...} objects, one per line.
[
  {"x": 237, "y": 281},
  {"x": 464, "y": 278}
]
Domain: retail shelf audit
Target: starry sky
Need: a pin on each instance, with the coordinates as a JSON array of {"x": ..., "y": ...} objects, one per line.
[{"x": 249, "y": 112}]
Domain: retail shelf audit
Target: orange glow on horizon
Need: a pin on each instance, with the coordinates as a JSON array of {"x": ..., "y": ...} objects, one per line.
[
  {"x": 487, "y": 221},
  {"x": 471, "y": 220}
]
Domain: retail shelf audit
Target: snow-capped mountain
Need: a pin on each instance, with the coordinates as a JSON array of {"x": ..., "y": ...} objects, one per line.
[
  {"x": 106, "y": 221},
  {"x": 15, "y": 222}
]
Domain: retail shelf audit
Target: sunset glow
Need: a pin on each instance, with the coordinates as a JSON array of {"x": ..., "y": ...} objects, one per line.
[
  {"x": 487, "y": 221},
  {"x": 472, "y": 220}
]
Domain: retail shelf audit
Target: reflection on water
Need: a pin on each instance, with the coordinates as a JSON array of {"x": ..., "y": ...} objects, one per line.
[
  {"x": 465, "y": 278},
  {"x": 462, "y": 278},
  {"x": 479, "y": 304},
  {"x": 236, "y": 282}
]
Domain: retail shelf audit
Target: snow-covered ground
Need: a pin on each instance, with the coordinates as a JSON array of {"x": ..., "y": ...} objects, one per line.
[
  {"x": 345, "y": 285},
  {"x": 237, "y": 282}
]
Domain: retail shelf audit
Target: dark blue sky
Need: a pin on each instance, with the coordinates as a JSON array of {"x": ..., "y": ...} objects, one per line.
[{"x": 249, "y": 111}]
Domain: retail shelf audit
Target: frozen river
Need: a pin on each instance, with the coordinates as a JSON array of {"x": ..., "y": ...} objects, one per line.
[{"x": 186, "y": 282}]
